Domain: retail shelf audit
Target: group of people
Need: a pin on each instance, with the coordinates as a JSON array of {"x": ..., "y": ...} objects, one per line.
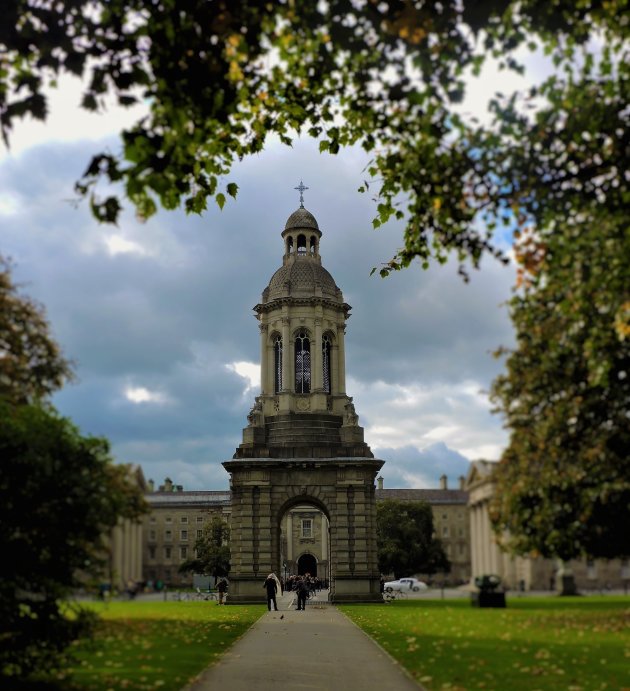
[{"x": 302, "y": 586}]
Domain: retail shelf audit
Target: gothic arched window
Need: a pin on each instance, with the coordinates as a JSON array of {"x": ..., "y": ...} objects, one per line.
[
  {"x": 302, "y": 363},
  {"x": 277, "y": 364},
  {"x": 301, "y": 244},
  {"x": 326, "y": 366}
]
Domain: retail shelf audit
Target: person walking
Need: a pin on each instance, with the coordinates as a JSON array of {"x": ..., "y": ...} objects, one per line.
[
  {"x": 271, "y": 586},
  {"x": 302, "y": 588}
]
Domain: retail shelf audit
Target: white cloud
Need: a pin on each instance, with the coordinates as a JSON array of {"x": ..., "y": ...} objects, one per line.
[
  {"x": 67, "y": 121},
  {"x": 250, "y": 371},
  {"x": 457, "y": 414},
  {"x": 139, "y": 394},
  {"x": 442, "y": 433},
  {"x": 10, "y": 204},
  {"x": 117, "y": 244}
]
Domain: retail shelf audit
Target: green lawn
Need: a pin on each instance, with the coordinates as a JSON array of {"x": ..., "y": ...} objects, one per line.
[
  {"x": 155, "y": 645},
  {"x": 575, "y": 644}
]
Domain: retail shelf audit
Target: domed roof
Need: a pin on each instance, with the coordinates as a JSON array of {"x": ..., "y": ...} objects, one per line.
[
  {"x": 301, "y": 219},
  {"x": 303, "y": 275}
]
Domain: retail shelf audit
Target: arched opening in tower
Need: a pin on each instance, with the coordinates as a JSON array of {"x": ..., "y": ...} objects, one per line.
[
  {"x": 302, "y": 363},
  {"x": 277, "y": 364},
  {"x": 326, "y": 365}
]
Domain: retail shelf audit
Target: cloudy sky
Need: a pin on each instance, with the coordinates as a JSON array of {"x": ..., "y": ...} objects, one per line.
[{"x": 158, "y": 316}]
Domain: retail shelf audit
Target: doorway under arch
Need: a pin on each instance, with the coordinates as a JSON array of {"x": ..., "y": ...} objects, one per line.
[{"x": 307, "y": 564}]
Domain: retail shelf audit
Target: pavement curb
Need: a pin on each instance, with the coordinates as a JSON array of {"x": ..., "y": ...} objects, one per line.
[{"x": 385, "y": 652}]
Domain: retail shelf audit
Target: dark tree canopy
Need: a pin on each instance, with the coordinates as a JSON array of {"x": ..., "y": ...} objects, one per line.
[
  {"x": 406, "y": 541},
  {"x": 220, "y": 77},
  {"x": 31, "y": 364},
  {"x": 212, "y": 549},
  {"x": 563, "y": 483},
  {"x": 62, "y": 495}
]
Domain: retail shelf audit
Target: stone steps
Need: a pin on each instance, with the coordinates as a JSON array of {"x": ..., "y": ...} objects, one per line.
[{"x": 303, "y": 430}]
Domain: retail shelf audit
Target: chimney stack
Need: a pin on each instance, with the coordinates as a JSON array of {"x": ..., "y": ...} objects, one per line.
[
  {"x": 168, "y": 484},
  {"x": 462, "y": 482},
  {"x": 443, "y": 482},
  {"x": 379, "y": 480},
  {"x": 151, "y": 486}
]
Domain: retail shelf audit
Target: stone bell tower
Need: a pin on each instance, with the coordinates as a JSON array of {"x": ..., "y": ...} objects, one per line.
[{"x": 303, "y": 443}]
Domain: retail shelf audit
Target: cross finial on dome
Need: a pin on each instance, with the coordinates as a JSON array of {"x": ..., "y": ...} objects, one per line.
[{"x": 300, "y": 188}]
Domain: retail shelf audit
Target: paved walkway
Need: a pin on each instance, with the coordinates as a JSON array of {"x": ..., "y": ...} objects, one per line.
[{"x": 319, "y": 649}]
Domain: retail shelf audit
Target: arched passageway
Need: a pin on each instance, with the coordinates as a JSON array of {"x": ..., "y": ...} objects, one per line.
[
  {"x": 307, "y": 564},
  {"x": 304, "y": 534},
  {"x": 330, "y": 501}
]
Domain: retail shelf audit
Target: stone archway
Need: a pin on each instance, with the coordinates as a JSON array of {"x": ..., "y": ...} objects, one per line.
[
  {"x": 304, "y": 530},
  {"x": 263, "y": 489},
  {"x": 307, "y": 564}
]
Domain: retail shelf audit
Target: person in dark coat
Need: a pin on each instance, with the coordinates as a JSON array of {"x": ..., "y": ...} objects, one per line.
[
  {"x": 271, "y": 586},
  {"x": 221, "y": 587},
  {"x": 302, "y": 588}
]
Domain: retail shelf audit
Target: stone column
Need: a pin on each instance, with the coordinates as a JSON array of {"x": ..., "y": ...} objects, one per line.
[
  {"x": 316, "y": 350},
  {"x": 126, "y": 572},
  {"x": 287, "y": 350},
  {"x": 475, "y": 540},
  {"x": 487, "y": 562},
  {"x": 264, "y": 361},
  {"x": 334, "y": 370},
  {"x": 117, "y": 561},
  {"x": 341, "y": 365},
  {"x": 372, "y": 529},
  {"x": 289, "y": 536},
  {"x": 266, "y": 562},
  {"x": 138, "y": 552}
]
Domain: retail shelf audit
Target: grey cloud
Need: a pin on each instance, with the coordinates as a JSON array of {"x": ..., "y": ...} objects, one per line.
[
  {"x": 428, "y": 464},
  {"x": 170, "y": 321}
]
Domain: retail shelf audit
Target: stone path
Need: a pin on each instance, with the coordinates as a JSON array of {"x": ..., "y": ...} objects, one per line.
[{"x": 319, "y": 649}]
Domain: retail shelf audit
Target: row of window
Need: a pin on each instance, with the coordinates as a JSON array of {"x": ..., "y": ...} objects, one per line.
[
  {"x": 446, "y": 532},
  {"x": 449, "y": 549},
  {"x": 182, "y": 519},
  {"x": 460, "y": 516},
  {"x": 168, "y": 535},
  {"x": 302, "y": 363},
  {"x": 168, "y": 552}
]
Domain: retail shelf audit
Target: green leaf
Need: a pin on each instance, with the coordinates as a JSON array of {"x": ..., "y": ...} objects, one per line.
[
  {"x": 232, "y": 189},
  {"x": 220, "y": 199}
]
